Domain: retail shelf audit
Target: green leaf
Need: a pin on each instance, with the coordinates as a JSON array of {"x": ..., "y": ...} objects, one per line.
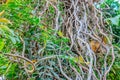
[
  {"x": 5, "y": 28},
  {"x": 12, "y": 39},
  {"x": 1, "y": 44},
  {"x": 114, "y": 20}
]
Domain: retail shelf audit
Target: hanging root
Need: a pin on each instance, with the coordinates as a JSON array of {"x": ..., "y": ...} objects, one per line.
[
  {"x": 84, "y": 25},
  {"x": 25, "y": 59}
]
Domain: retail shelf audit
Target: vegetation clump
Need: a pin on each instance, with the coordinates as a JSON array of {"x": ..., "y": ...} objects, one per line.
[{"x": 59, "y": 39}]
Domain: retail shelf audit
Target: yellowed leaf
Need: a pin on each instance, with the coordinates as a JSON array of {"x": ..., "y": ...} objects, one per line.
[
  {"x": 43, "y": 28},
  {"x": 79, "y": 59},
  {"x": 1, "y": 13},
  {"x": 33, "y": 61},
  {"x": 87, "y": 63},
  {"x": 60, "y": 34},
  {"x": 4, "y": 20},
  {"x": 7, "y": 1},
  {"x": 105, "y": 41}
]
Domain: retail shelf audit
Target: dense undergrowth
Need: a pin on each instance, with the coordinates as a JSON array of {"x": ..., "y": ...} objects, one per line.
[{"x": 59, "y": 40}]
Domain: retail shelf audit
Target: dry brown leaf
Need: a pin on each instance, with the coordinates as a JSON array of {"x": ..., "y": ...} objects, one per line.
[
  {"x": 55, "y": 1},
  {"x": 95, "y": 45}
]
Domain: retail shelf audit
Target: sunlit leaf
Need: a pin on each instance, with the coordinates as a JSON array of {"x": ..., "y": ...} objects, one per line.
[
  {"x": 3, "y": 27},
  {"x": 79, "y": 59},
  {"x": 4, "y": 20},
  {"x": 87, "y": 63},
  {"x": 60, "y": 34},
  {"x": 1, "y": 44},
  {"x": 7, "y": 1},
  {"x": 1, "y": 13}
]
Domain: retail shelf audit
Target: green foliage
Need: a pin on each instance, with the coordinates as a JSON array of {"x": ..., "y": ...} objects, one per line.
[
  {"x": 24, "y": 23},
  {"x": 2, "y": 43},
  {"x": 27, "y": 25},
  {"x": 112, "y": 16},
  {"x": 114, "y": 20}
]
